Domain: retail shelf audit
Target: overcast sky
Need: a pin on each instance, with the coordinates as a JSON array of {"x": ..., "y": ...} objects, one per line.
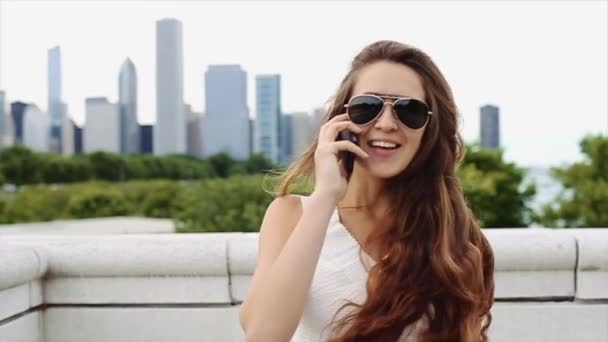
[{"x": 545, "y": 63}]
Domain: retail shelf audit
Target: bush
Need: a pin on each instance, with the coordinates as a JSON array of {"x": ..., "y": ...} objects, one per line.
[
  {"x": 584, "y": 200},
  {"x": 494, "y": 189},
  {"x": 98, "y": 203},
  {"x": 223, "y": 205},
  {"x": 36, "y": 203}
]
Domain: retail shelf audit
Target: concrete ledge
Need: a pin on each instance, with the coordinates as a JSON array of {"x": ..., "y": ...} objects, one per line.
[
  {"x": 132, "y": 255},
  {"x": 19, "y": 265},
  {"x": 156, "y": 324},
  {"x": 592, "y": 272},
  {"x": 555, "y": 322},
  {"x": 28, "y": 328},
  {"x": 533, "y": 263},
  {"x": 242, "y": 257},
  {"x": 20, "y": 298},
  {"x": 143, "y": 290},
  {"x": 184, "y": 287},
  {"x": 110, "y": 225}
]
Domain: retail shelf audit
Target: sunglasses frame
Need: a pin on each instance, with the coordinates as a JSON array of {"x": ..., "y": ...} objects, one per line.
[{"x": 384, "y": 101}]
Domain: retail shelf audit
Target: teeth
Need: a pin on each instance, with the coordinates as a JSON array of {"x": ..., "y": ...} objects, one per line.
[{"x": 384, "y": 144}]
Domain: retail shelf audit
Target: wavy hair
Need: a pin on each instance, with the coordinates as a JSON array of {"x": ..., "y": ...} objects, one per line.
[{"x": 438, "y": 262}]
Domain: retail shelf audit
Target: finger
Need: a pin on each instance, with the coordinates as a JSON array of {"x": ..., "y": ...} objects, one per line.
[
  {"x": 331, "y": 131},
  {"x": 345, "y": 145},
  {"x": 342, "y": 125},
  {"x": 342, "y": 168},
  {"x": 339, "y": 117}
]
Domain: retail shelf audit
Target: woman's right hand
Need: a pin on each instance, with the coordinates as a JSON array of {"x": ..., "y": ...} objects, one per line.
[{"x": 330, "y": 177}]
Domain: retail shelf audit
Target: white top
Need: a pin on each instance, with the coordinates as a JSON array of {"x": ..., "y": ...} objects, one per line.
[{"x": 340, "y": 276}]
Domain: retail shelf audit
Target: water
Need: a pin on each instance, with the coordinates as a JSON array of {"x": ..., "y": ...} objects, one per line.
[{"x": 547, "y": 188}]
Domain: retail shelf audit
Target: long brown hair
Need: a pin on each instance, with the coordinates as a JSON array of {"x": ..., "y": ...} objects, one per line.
[{"x": 438, "y": 263}]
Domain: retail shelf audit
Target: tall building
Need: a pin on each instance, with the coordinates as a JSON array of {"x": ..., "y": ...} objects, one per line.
[
  {"x": 251, "y": 135},
  {"x": 3, "y": 128},
  {"x": 226, "y": 111},
  {"x": 56, "y": 108},
  {"x": 36, "y": 129},
  {"x": 17, "y": 114},
  {"x": 286, "y": 131},
  {"x": 194, "y": 132},
  {"x": 490, "y": 126},
  {"x": 102, "y": 126},
  {"x": 146, "y": 133},
  {"x": 318, "y": 114},
  {"x": 301, "y": 133},
  {"x": 68, "y": 137},
  {"x": 170, "y": 136},
  {"x": 77, "y": 139},
  {"x": 268, "y": 116},
  {"x": 127, "y": 100}
]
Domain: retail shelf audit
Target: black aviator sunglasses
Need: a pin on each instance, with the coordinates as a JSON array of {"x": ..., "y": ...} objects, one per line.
[{"x": 363, "y": 109}]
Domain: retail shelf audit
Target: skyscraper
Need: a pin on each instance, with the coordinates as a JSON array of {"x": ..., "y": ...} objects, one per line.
[
  {"x": 317, "y": 118},
  {"x": 67, "y": 141},
  {"x": 127, "y": 100},
  {"x": 301, "y": 133},
  {"x": 226, "y": 112},
  {"x": 36, "y": 129},
  {"x": 170, "y": 132},
  {"x": 146, "y": 133},
  {"x": 490, "y": 126},
  {"x": 17, "y": 113},
  {"x": 194, "y": 132},
  {"x": 102, "y": 126},
  {"x": 286, "y": 143},
  {"x": 56, "y": 107},
  {"x": 3, "y": 130},
  {"x": 268, "y": 116}
]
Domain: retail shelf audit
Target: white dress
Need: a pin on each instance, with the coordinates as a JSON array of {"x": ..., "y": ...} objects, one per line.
[{"x": 339, "y": 276}]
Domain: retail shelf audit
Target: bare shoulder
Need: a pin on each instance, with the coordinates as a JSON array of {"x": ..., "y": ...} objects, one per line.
[{"x": 281, "y": 217}]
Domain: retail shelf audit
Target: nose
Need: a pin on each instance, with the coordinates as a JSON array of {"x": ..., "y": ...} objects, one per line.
[{"x": 387, "y": 120}]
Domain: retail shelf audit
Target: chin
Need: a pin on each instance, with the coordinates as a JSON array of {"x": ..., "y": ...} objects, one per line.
[{"x": 386, "y": 172}]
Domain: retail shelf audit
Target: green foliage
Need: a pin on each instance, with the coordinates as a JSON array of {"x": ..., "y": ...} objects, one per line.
[
  {"x": 234, "y": 204},
  {"x": 257, "y": 163},
  {"x": 98, "y": 203},
  {"x": 162, "y": 202},
  {"x": 221, "y": 164},
  {"x": 107, "y": 166},
  {"x": 219, "y": 205},
  {"x": 214, "y": 194},
  {"x": 584, "y": 200},
  {"x": 19, "y": 166},
  {"x": 35, "y": 203},
  {"x": 493, "y": 189}
]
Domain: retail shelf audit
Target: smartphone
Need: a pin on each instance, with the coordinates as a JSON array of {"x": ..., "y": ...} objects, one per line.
[{"x": 347, "y": 156}]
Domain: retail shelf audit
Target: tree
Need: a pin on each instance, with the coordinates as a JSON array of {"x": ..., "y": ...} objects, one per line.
[
  {"x": 20, "y": 165},
  {"x": 221, "y": 163},
  {"x": 493, "y": 189},
  {"x": 257, "y": 163},
  {"x": 584, "y": 199}
]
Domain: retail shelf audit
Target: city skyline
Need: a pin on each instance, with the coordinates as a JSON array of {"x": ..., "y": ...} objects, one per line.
[{"x": 474, "y": 64}]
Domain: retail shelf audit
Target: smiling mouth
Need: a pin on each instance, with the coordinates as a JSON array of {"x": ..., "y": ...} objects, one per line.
[{"x": 383, "y": 146}]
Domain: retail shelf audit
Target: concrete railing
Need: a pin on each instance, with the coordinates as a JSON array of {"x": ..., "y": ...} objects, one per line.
[{"x": 551, "y": 285}]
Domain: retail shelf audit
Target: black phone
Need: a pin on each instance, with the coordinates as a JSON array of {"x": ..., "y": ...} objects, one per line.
[{"x": 347, "y": 156}]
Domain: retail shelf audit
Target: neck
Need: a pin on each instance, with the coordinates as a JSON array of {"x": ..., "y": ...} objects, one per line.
[{"x": 365, "y": 193}]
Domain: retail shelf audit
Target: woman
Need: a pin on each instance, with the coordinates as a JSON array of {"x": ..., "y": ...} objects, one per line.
[{"x": 389, "y": 252}]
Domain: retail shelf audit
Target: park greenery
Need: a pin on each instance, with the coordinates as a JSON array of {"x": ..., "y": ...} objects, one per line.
[
  {"x": 221, "y": 194},
  {"x": 583, "y": 201}
]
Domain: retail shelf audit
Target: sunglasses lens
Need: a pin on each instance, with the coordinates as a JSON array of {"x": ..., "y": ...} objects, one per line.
[
  {"x": 412, "y": 113},
  {"x": 363, "y": 109}
]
